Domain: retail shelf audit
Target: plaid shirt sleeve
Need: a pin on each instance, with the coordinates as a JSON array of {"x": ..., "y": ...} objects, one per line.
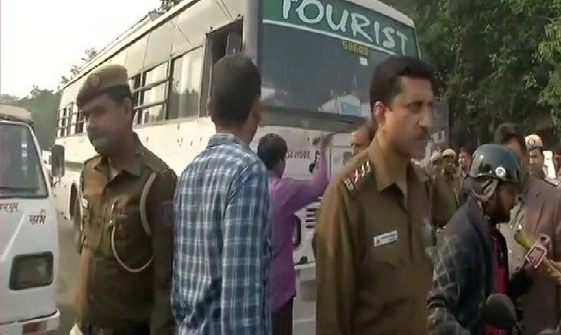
[
  {"x": 246, "y": 228},
  {"x": 449, "y": 279}
]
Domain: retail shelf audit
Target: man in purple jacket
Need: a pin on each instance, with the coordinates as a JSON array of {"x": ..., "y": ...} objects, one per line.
[{"x": 287, "y": 196}]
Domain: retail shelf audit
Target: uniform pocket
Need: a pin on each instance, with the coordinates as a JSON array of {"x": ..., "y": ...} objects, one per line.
[
  {"x": 126, "y": 220},
  {"x": 388, "y": 255},
  {"x": 128, "y": 243},
  {"x": 384, "y": 272}
]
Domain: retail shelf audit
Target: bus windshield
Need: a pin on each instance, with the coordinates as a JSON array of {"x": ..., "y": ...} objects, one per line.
[
  {"x": 21, "y": 173},
  {"x": 319, "y": 55}
]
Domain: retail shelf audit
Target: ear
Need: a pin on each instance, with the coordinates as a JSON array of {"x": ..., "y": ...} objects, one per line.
[
  {"x": 128, "y": 107},
  {"x": 379, "y": 113},
  {"x": 210, "y": 108},
  {"x": 257, "y": 111}
]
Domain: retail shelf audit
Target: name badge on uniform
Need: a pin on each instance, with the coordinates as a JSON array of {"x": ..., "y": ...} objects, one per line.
[{"x": 385, "y": 238}]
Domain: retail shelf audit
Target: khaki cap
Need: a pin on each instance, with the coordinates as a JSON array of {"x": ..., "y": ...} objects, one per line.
[
  {"x": 100, "y": 80},
  {"x": 533, "y": 141},
  {"x": 448, "y": 153}
]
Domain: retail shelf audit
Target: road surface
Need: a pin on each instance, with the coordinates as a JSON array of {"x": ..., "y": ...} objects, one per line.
[{"x": 67, "y": 280}]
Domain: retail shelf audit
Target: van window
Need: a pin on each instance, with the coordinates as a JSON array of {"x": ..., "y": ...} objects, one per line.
[{"x": 21, "y": 173}]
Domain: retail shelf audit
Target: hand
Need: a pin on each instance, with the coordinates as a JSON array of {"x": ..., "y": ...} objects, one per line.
[
  {"x": 325, "y": 141},
  {"x": 546, "y": 242},
  {"x": 530, "y": 270}
]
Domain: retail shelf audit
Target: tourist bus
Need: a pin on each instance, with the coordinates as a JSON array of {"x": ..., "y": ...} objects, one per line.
[{"x": 316, "y": 58}]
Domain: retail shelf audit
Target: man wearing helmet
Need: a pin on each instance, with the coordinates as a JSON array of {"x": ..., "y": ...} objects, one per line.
[{"x": 471, "y": 261}]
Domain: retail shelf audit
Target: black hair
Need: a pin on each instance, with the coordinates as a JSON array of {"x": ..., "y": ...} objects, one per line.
[
  {"x": 271, "y": 149},
  {"x": 557, "y": 149},
  {"x": 236, "y": 84},
  {"x": 509, "y": 131},
  {"x": 468, "y": 149},
  {"x": 119, "y": 93},
  {"x": 386, "y": 80}
]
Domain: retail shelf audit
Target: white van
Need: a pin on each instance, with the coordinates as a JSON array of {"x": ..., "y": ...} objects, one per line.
[{"x": 28, "y": 231}]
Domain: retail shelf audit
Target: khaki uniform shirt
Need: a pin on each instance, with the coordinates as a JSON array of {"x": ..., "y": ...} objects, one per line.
[
  {"x": 373, "y": 272},
  {"x": 446, "y": 198},
  {"x": 125, "y": 273}
]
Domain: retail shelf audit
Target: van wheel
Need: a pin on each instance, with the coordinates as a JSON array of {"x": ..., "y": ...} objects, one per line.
[{"x": 77, "y": 223}]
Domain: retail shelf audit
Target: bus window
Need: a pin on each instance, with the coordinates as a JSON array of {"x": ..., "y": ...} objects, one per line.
[
  {"x": 21, "y": 172},
  {"x": 186, "y": 87},
  {"x": 325, "y": 45}
]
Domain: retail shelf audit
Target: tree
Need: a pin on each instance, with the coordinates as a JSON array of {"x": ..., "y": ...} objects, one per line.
[
  {"x": 6, "y": 99},
  {"x": 549, "y": 54},
  {"x": 484, "y": 52},
  {"x": 167, "y": 4},
  {"x": 43, "y": 105},
  {"x": 89, "y": 54}
]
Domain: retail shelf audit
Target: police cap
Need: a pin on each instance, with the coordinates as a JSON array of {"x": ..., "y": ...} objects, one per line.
[
  {"x": 449, "y": 153},
  {"x": 493, "y": 161},
  {"x": 533, "y": 141},
  {"x": 100, "y": 81}
]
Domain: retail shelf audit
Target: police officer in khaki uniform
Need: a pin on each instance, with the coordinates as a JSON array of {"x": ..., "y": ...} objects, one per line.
[
  {"x": 446, "y": 187},
  {"x": 435, "y": 163},
  {"x": 127, "y": 195},
  {"x": 534, "y": 144},
  {"x": 373, "y": 228}
]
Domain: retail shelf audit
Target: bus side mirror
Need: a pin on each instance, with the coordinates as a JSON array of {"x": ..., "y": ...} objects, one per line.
[
  {"x": 233, "y": 43},
  {"x": 57, "y": 160}
]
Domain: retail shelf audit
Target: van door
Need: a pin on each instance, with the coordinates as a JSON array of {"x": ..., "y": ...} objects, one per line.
[{"x": 28, "y": 234}]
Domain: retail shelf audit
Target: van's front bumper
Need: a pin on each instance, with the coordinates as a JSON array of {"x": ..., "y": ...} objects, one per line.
[{"x": 40, "y": 325}]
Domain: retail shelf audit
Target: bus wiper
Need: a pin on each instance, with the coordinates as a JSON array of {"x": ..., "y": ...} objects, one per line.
[{"x": 17, "y": 188}]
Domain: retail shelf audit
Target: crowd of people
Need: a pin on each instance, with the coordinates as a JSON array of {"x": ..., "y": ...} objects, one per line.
[{"x": 400, "y": 248}]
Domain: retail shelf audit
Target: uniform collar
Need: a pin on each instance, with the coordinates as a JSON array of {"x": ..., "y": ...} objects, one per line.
[
  {"x": 134, "y": 168},
  {"x": 225, "y": 138},
  {"x": 385, "y": 174}
]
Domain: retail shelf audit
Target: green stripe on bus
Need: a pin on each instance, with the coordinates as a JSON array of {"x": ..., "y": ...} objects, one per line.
[{"x": 75, "y": 166}]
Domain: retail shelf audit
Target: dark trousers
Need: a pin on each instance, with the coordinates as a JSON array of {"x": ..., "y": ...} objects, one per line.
[{"x": 282, "y": 319}]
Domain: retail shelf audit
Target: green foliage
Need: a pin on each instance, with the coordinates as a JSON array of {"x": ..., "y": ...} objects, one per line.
[
  {"x": 167, "y": 4},
  {"x": 43, "y": 104},
  {"x": 89, "y": 54},
  {"x": 496, "y": 60}
]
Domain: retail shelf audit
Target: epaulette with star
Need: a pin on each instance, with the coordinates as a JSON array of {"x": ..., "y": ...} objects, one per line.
[{"x": 356, "y": 179}]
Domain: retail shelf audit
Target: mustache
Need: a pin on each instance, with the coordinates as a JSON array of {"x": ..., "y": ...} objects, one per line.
[
  {"x": 95, "y": 134},
  {"x": 424, "y": 135}
]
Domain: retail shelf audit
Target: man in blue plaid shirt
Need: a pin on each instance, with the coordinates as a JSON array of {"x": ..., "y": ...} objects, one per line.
[{"x": 222, "y": 226}]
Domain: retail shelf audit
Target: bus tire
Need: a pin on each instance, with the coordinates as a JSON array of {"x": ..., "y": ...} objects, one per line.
[{"x": 77, "y": 225}]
